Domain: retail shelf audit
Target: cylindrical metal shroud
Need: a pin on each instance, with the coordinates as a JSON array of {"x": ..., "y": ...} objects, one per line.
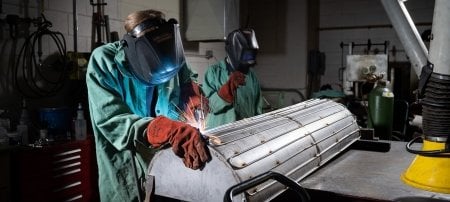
[{"x": 293, "y": 141}]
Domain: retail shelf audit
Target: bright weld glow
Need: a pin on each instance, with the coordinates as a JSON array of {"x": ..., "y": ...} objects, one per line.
[{"x": 197, "y": 121}]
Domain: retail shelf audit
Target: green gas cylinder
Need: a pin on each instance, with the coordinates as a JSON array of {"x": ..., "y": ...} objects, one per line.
[{"x": 381, "y": 110}]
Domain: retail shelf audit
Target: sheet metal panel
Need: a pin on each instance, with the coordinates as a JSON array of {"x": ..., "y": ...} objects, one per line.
[{"x": 370, "y": 176}]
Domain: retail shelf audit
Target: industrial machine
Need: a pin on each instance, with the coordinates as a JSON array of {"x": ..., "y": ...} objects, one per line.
[
  {"x": 367, "y": 74},
  {"x": 292, "y": 141},
  {"x": 362, "y": 68},
  {"x": 430, "y": 170}
]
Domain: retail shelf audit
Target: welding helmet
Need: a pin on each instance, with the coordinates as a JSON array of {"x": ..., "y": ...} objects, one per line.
[
  {"x": 241, "y": 47},
  {"x": 156, "y": 56}
]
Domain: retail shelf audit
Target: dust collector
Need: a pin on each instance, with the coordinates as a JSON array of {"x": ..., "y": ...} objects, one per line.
[{"x": 430, "y": 170}]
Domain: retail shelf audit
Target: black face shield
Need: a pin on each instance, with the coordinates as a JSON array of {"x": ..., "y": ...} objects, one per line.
[
  {"x": 241, "y": 47},
  {"x": 156, "y": 56}
]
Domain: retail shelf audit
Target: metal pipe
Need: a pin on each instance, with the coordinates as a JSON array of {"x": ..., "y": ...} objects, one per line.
[
  {"x": 225, "y": 34},
  {"x": 380, "y": 26},
  {"x": 440, "y": 38},
  {"x": 293, "y": 90},
  {"x": 407, "y": 33},
  {"x": 436, "y": 101},
  {"x": 75, "y": 27}
]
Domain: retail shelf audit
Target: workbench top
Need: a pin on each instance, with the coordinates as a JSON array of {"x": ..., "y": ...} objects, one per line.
[{"x": 370, "y": 175}]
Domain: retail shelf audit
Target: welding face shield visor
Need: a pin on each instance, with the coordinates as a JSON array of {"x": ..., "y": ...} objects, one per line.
[
  {"x": 242, "y": 47},
  {"x": 157, "y": 55}
]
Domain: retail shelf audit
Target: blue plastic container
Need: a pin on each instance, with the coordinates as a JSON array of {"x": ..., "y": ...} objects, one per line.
[{"x": 56, "y": 120}]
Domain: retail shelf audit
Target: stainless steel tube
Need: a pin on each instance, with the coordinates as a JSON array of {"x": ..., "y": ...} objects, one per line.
[{"x": 440, "y": 41}]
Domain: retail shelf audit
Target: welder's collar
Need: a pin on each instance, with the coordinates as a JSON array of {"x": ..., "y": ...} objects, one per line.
[{"x": 121, "y": 61}]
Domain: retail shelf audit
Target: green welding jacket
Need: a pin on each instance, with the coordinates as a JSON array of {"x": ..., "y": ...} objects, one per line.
[
  {"x": 120, "y": 108},
  {"x": 247, "y": 102}
]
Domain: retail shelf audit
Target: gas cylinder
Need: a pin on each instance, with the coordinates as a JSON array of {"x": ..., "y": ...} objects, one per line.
[{"x": 381, "y": 110}]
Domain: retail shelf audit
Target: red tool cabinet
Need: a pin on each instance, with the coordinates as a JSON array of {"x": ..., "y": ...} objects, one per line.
[{"x": 59, "y": 172}]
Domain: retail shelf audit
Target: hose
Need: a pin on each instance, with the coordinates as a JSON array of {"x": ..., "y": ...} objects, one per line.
[
  {"x": 35, "y": 83},
  {"x": 430, "y": 153}
]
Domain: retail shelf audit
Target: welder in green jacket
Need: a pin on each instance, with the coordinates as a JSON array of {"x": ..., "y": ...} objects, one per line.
[
  {"x": 231, "y": 86},
  {"x": 136, "y": 89}
]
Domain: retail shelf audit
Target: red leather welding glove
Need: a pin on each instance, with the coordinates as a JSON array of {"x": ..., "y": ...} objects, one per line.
[
  {"x": 191, "y": 95},
  {"x": 228, "y": 90},
  {"x": 185, "y": 140}
]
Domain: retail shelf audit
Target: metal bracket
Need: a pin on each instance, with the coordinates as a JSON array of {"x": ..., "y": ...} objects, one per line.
[
  {"x": 427, "y": 70},
  {"x": 238, "y": 188}
]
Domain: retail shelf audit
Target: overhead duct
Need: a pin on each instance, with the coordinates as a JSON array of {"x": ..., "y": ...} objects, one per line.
[
  {"x": 293, "y": 141},
  {"x": 407, "y": 33}
]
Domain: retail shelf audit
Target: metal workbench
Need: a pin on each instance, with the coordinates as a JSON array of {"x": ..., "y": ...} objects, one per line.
[{"x": 371, "y": 175}]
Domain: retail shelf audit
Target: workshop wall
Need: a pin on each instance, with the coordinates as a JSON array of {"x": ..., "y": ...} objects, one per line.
[
  {"x": 348, "y": 21},
  {"x": 281, "y": 30},
  {"x": 60, "y": 14}
]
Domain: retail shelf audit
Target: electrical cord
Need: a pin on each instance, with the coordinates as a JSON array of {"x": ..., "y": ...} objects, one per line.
[
  {"x": 35, "y": 82},
  {"x": 431, "y": 153}
]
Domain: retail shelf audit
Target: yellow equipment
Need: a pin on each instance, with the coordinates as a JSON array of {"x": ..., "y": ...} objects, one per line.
[{"x": 428, "y": 172}]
